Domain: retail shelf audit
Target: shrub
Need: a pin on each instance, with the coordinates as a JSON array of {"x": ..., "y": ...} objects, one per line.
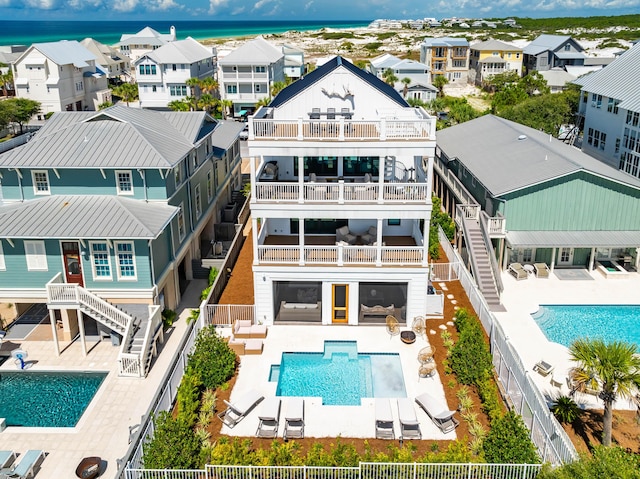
[
  {"x": 508, "y": 442},
  {"x": 211, "y": 360},
  {"x": 188, "y": 398},
  {"x": 470, "y": 357},
  {"x": 565, "y": 409},
  {"x": 491, "y": 403},
  {"x": 233, "y": 452},
  {"x": 604, "y": 463},
  {"x": 168, "y": 317},
  {"x": 173, "y": 446}
]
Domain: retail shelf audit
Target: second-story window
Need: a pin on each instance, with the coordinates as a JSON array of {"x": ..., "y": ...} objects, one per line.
[
  {"x": 41, "y": 183},
  {"x": 79, "y": 86},
  {"x": 124, "y": 182},
  {"x": 147, "y": 69},
  {"x": 260, "y": 69},
  {"x": 101, "y": 260},
  {"x": 178, "y": 174},
  {"x": 126, "y": 261},
  {"x": 209, "y": 185},
  {"x": 197, "y": 200},
  {"x": 181, "y": 225},
  {"x": 232, "y": 88}
]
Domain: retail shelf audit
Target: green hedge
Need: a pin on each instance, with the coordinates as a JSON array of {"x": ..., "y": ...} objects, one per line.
[{"x": 211, "y": 360}]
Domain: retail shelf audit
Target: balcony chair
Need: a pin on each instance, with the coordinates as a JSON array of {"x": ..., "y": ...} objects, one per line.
[
  {"x": 370, "y": 236},
  {"x": 343, "y": 234}
]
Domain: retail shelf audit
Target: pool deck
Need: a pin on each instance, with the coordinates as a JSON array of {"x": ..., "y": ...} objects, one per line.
[
  {"x": 333, "y": 421},
  {"x": 103, "y": 430},
  {"x": 521, "y": 298}
]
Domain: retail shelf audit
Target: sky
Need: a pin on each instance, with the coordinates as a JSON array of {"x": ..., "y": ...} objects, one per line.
[{"x": 243, "y": 10}]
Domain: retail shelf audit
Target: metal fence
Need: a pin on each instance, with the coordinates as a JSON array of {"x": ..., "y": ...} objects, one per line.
[
  {"x": 546, "y": 432},
  {"x": 365, "y": 470}
]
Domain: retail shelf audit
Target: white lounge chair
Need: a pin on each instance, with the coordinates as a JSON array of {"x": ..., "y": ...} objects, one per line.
[
  {"x": 28, "y": 462},
  {"x": 7, "y": 458},
  {"x": 235, "y": 412},
  {"x": 409, "y": 425},
  {"x": 269, "y": 418},
  {"x": 384, "y": 419},
  {"x": 543, "y": 368},
  {"x": 438, "y": 411},
  {"x": 518, "y": 271},
  {"x": 294, "y": 419},
  {"x": 542, "y": 270}
]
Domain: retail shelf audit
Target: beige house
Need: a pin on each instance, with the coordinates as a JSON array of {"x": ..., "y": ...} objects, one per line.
[{"x": 492, "y": 58}]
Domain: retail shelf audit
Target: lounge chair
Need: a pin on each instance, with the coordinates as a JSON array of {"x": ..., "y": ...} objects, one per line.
[
  {"x": 393, "y": 327},
  {"x": 7, "y": 458},
  {"x": 269, "y": 418},
  {"x": 409, "y": 425},
  {"x": 236, "y": 411},
  {"x": 542, "y": 270},
  {"x": 384, "y": 419},
  {"x": 343, "y": 234},
  {"x": 543, "y": 368},
  {"x": 438, "y": 411},
  {"x": 518, "y": 271},
  {"x": 294, "y": 419},
  {"x": 28, "y": 462},
  {"x": 418, "y": 326}
]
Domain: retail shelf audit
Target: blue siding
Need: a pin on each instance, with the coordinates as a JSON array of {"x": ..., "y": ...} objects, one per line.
[
  {"x": 16, "y": 274},
  {"x": 161, "y": 248}
]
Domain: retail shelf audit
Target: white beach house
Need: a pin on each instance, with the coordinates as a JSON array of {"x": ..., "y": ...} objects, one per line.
[{"x": 341, "y": 175}]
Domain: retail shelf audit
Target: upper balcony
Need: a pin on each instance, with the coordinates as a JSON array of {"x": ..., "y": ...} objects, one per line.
[{"x": 411, "y": 124}]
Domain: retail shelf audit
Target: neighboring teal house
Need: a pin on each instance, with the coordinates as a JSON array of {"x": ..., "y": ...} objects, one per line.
[
  {"x": 555, "y": 204},
  {"x": 110, "y": 208}
]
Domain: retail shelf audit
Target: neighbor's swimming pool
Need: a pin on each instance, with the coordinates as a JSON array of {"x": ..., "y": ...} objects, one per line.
[
  {"x": 340, "y": 375},
  {"x": 46, "y": 399},
  {"x": 565, "y": 323}
]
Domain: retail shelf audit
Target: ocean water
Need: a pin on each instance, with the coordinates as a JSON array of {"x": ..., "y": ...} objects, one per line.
[{"x": 109, "y": 32}]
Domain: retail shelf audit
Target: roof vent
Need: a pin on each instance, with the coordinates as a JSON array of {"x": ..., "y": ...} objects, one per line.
[{"x": 522, "y": 137}]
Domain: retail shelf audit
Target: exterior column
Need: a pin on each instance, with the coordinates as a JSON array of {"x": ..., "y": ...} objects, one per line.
[
  {"x": 83, "y": 338},
  {"x": 256, "y": 233},
  {"x": 501, "y": 252},
  {"x": 54, "y": 330},
  {"x": 301, "y": 240},
  {"x": 592, "y": 259},
  {"x": 252, "y": 171},
  {"x": 379, "y": 242},
  {"x": 425, "y": 242},
  {"x": 553, "y": 259},
  {"x": 301, "y": 179}
]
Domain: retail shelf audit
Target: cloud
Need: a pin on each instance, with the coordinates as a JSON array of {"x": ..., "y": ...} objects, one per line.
[
  {"x": 238, "y": 10},
  {"x": 42, "y": 4},
  {"x": 164, "y": 5},
  {"x": 125, "y": 5},
  {"x": 215, "y": 5},
  {"x": 308, "y": 5},
  {"x": 83, "y": 4}
]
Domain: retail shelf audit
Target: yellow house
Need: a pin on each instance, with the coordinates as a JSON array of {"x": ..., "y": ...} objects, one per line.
[{"x": 493, "y": 57}]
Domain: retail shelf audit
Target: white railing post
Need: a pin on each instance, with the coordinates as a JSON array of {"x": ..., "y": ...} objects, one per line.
[
  {"x": 341, "y": 192},
  {"x": 383, "y": 129}
]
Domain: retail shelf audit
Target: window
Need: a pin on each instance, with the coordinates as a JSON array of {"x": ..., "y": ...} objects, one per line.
[
  {"x": 393, "y": 222},
  {"x": 178, "y": 174},
  {"x": 101, "y": 261},
  {"x": 596, "y": 138},
  {"x": 124, "y": 182},
  {"x": 632, "y": 118},
  {"x": 174, "y": 67},
  {"x": 567, "y": 47},
  {"x": 147, "y": 69},
  {"x": 617, "y": 148},
  {"x": 79, "y": 86},
  {"x": 36, "y": 256},
  {"x": 232, "y": 89},
  {"x": 209, "y": 185},
  {"x": 41, "y": 182},
  {"x": 260, "y": 69},
  {"x": 459, "y": 63},
  {"x": 197, "y": 201},
  {"x": 439, "y": 52},
  {"x": 3, "y": 265},
  {"x": 181, "y": 226},
  {"x": 195, "y": 161},
  {"x": 517, "y": 55},
  {"x": 153, "y": 88},
  {"x": 596, "y": 100},
  {"x": 612, "y": 106},
  {"x": 126, "y": 261},
  {"x": 178, "y": 90},
  {"x": 438, "y": 66}
]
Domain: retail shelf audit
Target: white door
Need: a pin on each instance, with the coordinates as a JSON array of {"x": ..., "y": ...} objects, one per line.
[{"x": 565, "y": 258}]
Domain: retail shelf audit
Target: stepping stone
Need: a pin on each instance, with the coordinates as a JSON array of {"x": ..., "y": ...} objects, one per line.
[
  {"x": 454, "y": 301},
  {"x": 456, "y": 308},
  {"x": 432, "y": 331},
  {"x": 443, "y": 326},
  {"x": 450, "y": 296},
  {"x": 443, "y": 286},
  {"x": 450, "y": 323}
]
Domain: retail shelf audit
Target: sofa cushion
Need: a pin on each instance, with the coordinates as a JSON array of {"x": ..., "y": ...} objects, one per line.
[{"x": 306, "y": 305}]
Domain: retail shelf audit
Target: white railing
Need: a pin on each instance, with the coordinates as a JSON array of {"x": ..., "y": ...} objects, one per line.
[
  {"x": 130, "y": 365},
  {"x": 165, "y": 474},
  {"x": 340, "y": 129},
  {"x": 546, "y": 433},
  {"x": 470, "y": 212},
  {"x": 227, "y": 314},
  {"x": 154, "y": 322},
  {"x": 453, "y": 182},
  {"x": 339, "y": 255},
  {"x": 444, "y": 271},
  {"x": 103, "y": 307},
  {"x": 497, "y": 225},
  {"x": 342, "y": 192}
]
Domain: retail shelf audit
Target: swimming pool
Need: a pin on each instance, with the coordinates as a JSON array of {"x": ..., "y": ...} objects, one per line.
[
  {"x": 565, "y": 323},
  {"x": 46, "y": 399},
  {"x": 339, "y": 374}
]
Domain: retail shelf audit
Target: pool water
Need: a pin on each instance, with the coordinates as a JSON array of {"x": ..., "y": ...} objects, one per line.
[
  {"x": 563, "y": 323},
  {"x": 46, "y": 399},
  {"x": 339, "y": 374}
]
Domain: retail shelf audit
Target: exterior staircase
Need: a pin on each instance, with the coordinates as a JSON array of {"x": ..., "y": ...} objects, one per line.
[
  {"x": 139, "y": 332},
  {"x": 480, "y": 256},
  {"x": 199, "y": 271}
]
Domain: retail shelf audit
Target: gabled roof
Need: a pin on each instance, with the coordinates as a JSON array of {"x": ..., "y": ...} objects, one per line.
[
  {"x": 495, "y": 45},
  {"x": 117, "y": 137},
  {"x": 105, "y": 55},
  {"x": 225, "y": 136},
  {"x": 146, "y": 36},
  {"x": 386, "y": 60},
  {"x": 557, "y": 77},
  {"x": 181, "y": 51},
  {"x": 256, "y": 52},
  {"x": 547, "y": 42},
  {"x": 619, "y": 80},
  {"x": 86, "y": 217},
  {"x": 494, "y": 153},
  {"x": 305, "y": 82},
  {"x": 445, "y": 42},
  {"x": 64, "y": 52},
  {"x": 418, "y": 81}
]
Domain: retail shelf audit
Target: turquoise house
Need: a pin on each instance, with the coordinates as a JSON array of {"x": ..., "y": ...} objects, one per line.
[{"x": 114, "y": 205}]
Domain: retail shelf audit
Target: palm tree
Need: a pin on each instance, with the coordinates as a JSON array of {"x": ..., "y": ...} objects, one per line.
[
  {"x": 207, "y": 102},
  {"x": 439, "y": 82},
  {"x": 209, "y": 85},
  {"x": 5, "y": 79},
  {"x": 613, "y": 369},
  {"x": 194, "y": 85},
  {"x": 389, "y": 77},
  {"x": 405, "y": 90},
  {"x": 128, "y": 92},
  {"x": 225, "y": 107},
  {"x": 277, "y": 87},
  {"x": 179, "y": 105}
]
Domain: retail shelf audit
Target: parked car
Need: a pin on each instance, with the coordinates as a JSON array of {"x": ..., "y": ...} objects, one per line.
[{"x": 244, "y": 134}]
